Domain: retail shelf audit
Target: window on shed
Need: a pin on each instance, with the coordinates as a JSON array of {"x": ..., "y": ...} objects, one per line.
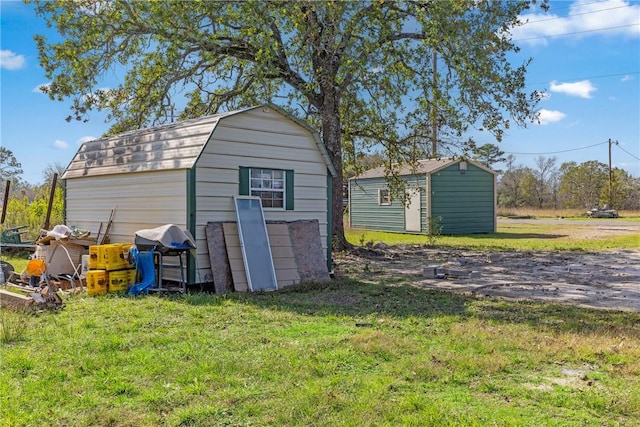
[
  {"x": 384, "y": 197},
  {"x": 273, "y": 186}
]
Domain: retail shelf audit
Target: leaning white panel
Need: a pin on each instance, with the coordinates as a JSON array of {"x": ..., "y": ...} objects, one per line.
[{"x": 254, "y": 242}]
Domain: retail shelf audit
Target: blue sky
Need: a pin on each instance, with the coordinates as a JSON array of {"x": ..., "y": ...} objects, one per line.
[{"x": 586, "y": 55}]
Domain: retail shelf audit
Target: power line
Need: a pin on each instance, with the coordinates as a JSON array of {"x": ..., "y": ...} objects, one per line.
[
  {"x": 554, "y": 9},
  {"x": 576, "y": 32},
  {"x": 632, "y": 155},
  {"x": 573, "y": 14},
  {"x": 601, "y": 76},
  {"x": 562, "y": 151}
]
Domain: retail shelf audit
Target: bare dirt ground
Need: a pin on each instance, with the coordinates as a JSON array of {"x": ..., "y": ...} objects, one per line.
[{"x": 609, "y": 280}]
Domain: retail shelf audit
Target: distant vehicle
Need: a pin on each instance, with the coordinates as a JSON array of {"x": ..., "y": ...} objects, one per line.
[{"x": 602, "y": 213}]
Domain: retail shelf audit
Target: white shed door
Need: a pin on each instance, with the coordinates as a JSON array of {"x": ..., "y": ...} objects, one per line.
[{"x": 412, "y": 210}]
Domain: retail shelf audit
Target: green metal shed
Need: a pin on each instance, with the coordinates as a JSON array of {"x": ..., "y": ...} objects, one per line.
[{"x": 458, "y": 194}]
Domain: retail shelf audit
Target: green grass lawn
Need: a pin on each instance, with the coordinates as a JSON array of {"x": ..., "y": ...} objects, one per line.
[
  {"x": 336, "y": 354},
  {"x": 531, "y": 237}
]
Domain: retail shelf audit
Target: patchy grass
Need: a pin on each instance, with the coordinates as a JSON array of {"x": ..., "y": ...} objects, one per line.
[
  {"x": 337, "y": 353},
  {"x": 341, "y": 353},
  {"x": 560, "y": 213},
  {"x": 531, "y": 237}
]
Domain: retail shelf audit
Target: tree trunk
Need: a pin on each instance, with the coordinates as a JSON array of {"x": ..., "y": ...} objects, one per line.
[{"x": 331, "y": 129}]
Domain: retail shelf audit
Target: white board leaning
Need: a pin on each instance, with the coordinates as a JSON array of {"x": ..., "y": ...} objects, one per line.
[{"x": 254, "y": 242}]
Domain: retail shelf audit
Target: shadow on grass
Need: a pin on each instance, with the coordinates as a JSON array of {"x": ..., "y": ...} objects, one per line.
[{"x": 360, "y": 300}]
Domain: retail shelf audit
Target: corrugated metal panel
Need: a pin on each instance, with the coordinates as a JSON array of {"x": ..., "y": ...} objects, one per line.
[
  {"x": 465, "y": 202},
  {"x": 365, "y": 212}
]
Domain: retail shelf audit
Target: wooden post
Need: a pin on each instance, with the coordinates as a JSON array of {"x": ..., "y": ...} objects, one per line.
[
  {"x": 52, "y": 192},
  {"x": 5, "y": 201}
]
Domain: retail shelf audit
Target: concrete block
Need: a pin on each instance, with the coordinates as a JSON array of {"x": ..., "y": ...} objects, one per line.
[
  {"x": 430, "y": 271},
  {"x": 456, "y": 272},
  {"x": 493, "y": 258}
]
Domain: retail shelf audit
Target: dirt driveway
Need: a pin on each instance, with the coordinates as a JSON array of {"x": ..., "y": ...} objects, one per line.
[{"x": 601, "y": 280}]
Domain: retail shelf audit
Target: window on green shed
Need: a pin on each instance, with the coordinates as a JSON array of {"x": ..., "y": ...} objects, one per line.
[
  {"x": 273, "y": 186},
  {"x": 384, "y": 197}
]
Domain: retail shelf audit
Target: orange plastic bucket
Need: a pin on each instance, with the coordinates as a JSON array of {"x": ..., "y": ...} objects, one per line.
[{"x": 36, "y": 267}]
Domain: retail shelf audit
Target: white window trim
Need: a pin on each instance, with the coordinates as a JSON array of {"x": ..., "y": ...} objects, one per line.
[
  {"x": 258, "y": 190},
  {"x": 380, "y": 201}
]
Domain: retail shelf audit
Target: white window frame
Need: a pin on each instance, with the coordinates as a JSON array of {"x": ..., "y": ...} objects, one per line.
[
  {"x": 384, "y": 197},
  {"x": 264, "y": 182}
]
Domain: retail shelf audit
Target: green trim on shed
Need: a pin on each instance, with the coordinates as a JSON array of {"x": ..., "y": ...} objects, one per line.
[
  {"x": 191, "y": 221},
  {"x": 329, "y": 220},
  {"x": 243, "y": 181},
  {"x": 289, "y": 190}
]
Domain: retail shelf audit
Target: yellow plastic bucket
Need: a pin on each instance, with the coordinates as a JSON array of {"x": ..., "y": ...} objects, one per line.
[
  {"x": 100, "y": 263},
  {"x": 93, "y": 257},
  {"x": 97, "y": 282},
  {"x": 117, "y": 256},
  {"x": 119, "y": 281}
]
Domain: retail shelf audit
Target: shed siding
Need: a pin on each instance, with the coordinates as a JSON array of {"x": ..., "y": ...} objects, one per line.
[
  {"x": 367, "y": 213},
  {"x": 258, "y": 139},
  {"x": 142, "y": 200},
  {"x": 464, "y": 203}
]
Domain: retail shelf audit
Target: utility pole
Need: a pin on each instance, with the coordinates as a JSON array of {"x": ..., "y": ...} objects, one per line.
[
  {"x": 434, "y": 111},
  {"x": 610, "y": 172}
]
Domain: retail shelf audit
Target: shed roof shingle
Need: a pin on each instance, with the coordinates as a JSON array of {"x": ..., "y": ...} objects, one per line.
[
  {"x": 172, "y": 146},
  {"x": 426, "y": 166}
]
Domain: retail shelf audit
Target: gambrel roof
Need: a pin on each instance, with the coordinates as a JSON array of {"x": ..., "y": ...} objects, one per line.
[
  {"x": 167, "y": 147},
  {"x": 428, "y": 166}
]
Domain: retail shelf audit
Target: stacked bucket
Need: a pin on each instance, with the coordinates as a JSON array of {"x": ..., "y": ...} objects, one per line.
[{"x": 109, "y": 269}]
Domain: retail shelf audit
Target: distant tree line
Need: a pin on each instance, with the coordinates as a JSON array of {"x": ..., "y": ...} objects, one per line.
[{"x": 572, "y": 185}]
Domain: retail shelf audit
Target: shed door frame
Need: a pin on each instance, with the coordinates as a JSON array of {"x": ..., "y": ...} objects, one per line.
[{"x": 412, "y": 210}]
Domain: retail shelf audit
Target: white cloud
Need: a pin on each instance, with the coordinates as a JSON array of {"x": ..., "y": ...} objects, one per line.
[
  {"x": 626, "y": 78},
  {"x": 85, "y": 139},
  {"x": 60, "y": 144},
  {"x": 550, "y": 116},
  {"x": 585, "y": 18},
  {"x": 11, "y": 61},
  {"x": 581, "y": 89}
]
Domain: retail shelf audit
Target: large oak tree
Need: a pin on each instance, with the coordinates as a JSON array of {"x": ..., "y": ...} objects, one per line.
[{"x": 365, "y": 73}]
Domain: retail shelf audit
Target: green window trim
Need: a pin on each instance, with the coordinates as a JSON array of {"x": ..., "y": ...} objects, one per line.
[{"x": 244, "y": 186}]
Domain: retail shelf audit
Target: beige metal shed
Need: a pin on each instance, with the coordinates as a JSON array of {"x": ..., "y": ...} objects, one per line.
[{"x": 186, "y": 173}]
